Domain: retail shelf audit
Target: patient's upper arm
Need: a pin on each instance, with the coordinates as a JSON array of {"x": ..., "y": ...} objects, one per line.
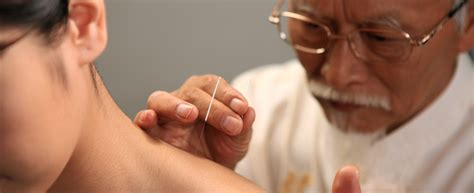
[{"x": 195, "y": 174}]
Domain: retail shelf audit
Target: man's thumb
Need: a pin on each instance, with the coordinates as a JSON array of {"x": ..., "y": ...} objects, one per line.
[{"x": 346, "y": 180}]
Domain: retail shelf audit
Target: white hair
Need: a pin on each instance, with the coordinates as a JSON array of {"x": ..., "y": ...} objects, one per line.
[
  {"x": 340, "y": 119},
  {"x": 323, "y": 90},
  {"x": 460, "y": 17}
]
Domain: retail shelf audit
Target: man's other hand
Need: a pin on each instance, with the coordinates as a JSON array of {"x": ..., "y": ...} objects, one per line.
[{"x": 346, "y": 180}]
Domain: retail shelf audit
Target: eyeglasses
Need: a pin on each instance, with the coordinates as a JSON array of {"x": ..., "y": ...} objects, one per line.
[{"x": 367, "y": 44}]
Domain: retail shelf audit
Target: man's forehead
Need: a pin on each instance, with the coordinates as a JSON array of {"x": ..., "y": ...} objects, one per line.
[{"x": 365, "y": 9}]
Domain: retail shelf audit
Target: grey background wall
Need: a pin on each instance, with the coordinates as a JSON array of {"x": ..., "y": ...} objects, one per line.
[{"x": 157, "y": 44}]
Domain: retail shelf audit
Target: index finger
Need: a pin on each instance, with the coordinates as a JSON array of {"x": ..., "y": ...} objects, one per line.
[
  {"x": 225, "y": 93},
  {"x": 171, "y": 107}
]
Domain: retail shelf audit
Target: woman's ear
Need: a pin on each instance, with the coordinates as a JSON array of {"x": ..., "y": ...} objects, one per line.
[
  {"x": 467, "y": 37},
  {"x": 87, "y": 25}
]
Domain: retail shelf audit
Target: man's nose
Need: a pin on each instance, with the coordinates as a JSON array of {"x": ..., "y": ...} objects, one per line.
[{"x": 341, "y": 68}]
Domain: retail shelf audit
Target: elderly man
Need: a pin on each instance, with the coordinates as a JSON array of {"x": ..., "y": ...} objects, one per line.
[{"x": 394, "y": 94}]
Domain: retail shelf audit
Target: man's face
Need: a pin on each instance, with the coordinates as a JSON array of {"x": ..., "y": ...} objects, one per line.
[
  {"x": 40, "y": 112},
  {"x": 398, "y": 89}
]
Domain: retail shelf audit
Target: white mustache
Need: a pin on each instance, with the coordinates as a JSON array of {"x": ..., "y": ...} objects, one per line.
[{"x": 325, "y": 91}]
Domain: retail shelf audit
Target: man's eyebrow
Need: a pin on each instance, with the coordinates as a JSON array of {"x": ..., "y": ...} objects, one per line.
[
  {"x": 308, "y": 11},
  {"x": 387, "y": 20},
  {"x": 303, "y": 7}
]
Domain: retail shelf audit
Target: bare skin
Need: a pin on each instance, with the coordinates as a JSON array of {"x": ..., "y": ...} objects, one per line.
[{"x": 61, "y": 131}]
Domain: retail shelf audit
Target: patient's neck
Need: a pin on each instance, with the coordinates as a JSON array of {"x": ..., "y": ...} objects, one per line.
[{"x": 112, "y": 155}]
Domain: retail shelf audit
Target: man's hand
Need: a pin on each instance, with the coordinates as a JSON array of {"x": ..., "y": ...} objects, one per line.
[
  {"x": 346, "y": 180},
  {"x": 178, "y": 119}
]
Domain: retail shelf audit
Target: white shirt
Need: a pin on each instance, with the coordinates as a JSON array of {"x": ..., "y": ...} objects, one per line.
[{"x": 294, "y": 149}]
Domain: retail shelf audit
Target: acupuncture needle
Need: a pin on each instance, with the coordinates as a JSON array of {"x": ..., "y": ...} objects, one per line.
[{"x": 209, "y": 110}]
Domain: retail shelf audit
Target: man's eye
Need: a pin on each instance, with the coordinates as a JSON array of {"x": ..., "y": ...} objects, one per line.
[
  {"x": 377, "y": 37},
  {"x": 311, "y": 26},
  {"x": 382, "y": 37}
]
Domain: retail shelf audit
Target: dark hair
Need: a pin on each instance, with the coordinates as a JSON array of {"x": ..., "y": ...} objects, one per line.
[{"x": 46, "y": 17}]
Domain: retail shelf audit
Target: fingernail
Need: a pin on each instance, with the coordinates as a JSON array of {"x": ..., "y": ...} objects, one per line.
[
  {"x": 354, "y": 187},
  {"x": 346, "y": 180},
  {"x": 232, "y": 125},
  {"x": 184, "y": 110},
  {"x": 146, "y": 117},
  {"x": 237, "y": 105}
]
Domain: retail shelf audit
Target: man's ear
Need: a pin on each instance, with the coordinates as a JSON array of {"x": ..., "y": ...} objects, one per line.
[
  {"x": 467, "y": 37},
  {"x": 87, "y": 25}
]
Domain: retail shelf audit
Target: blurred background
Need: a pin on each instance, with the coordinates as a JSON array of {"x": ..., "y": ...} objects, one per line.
[{"x": 158, "y": 44}]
